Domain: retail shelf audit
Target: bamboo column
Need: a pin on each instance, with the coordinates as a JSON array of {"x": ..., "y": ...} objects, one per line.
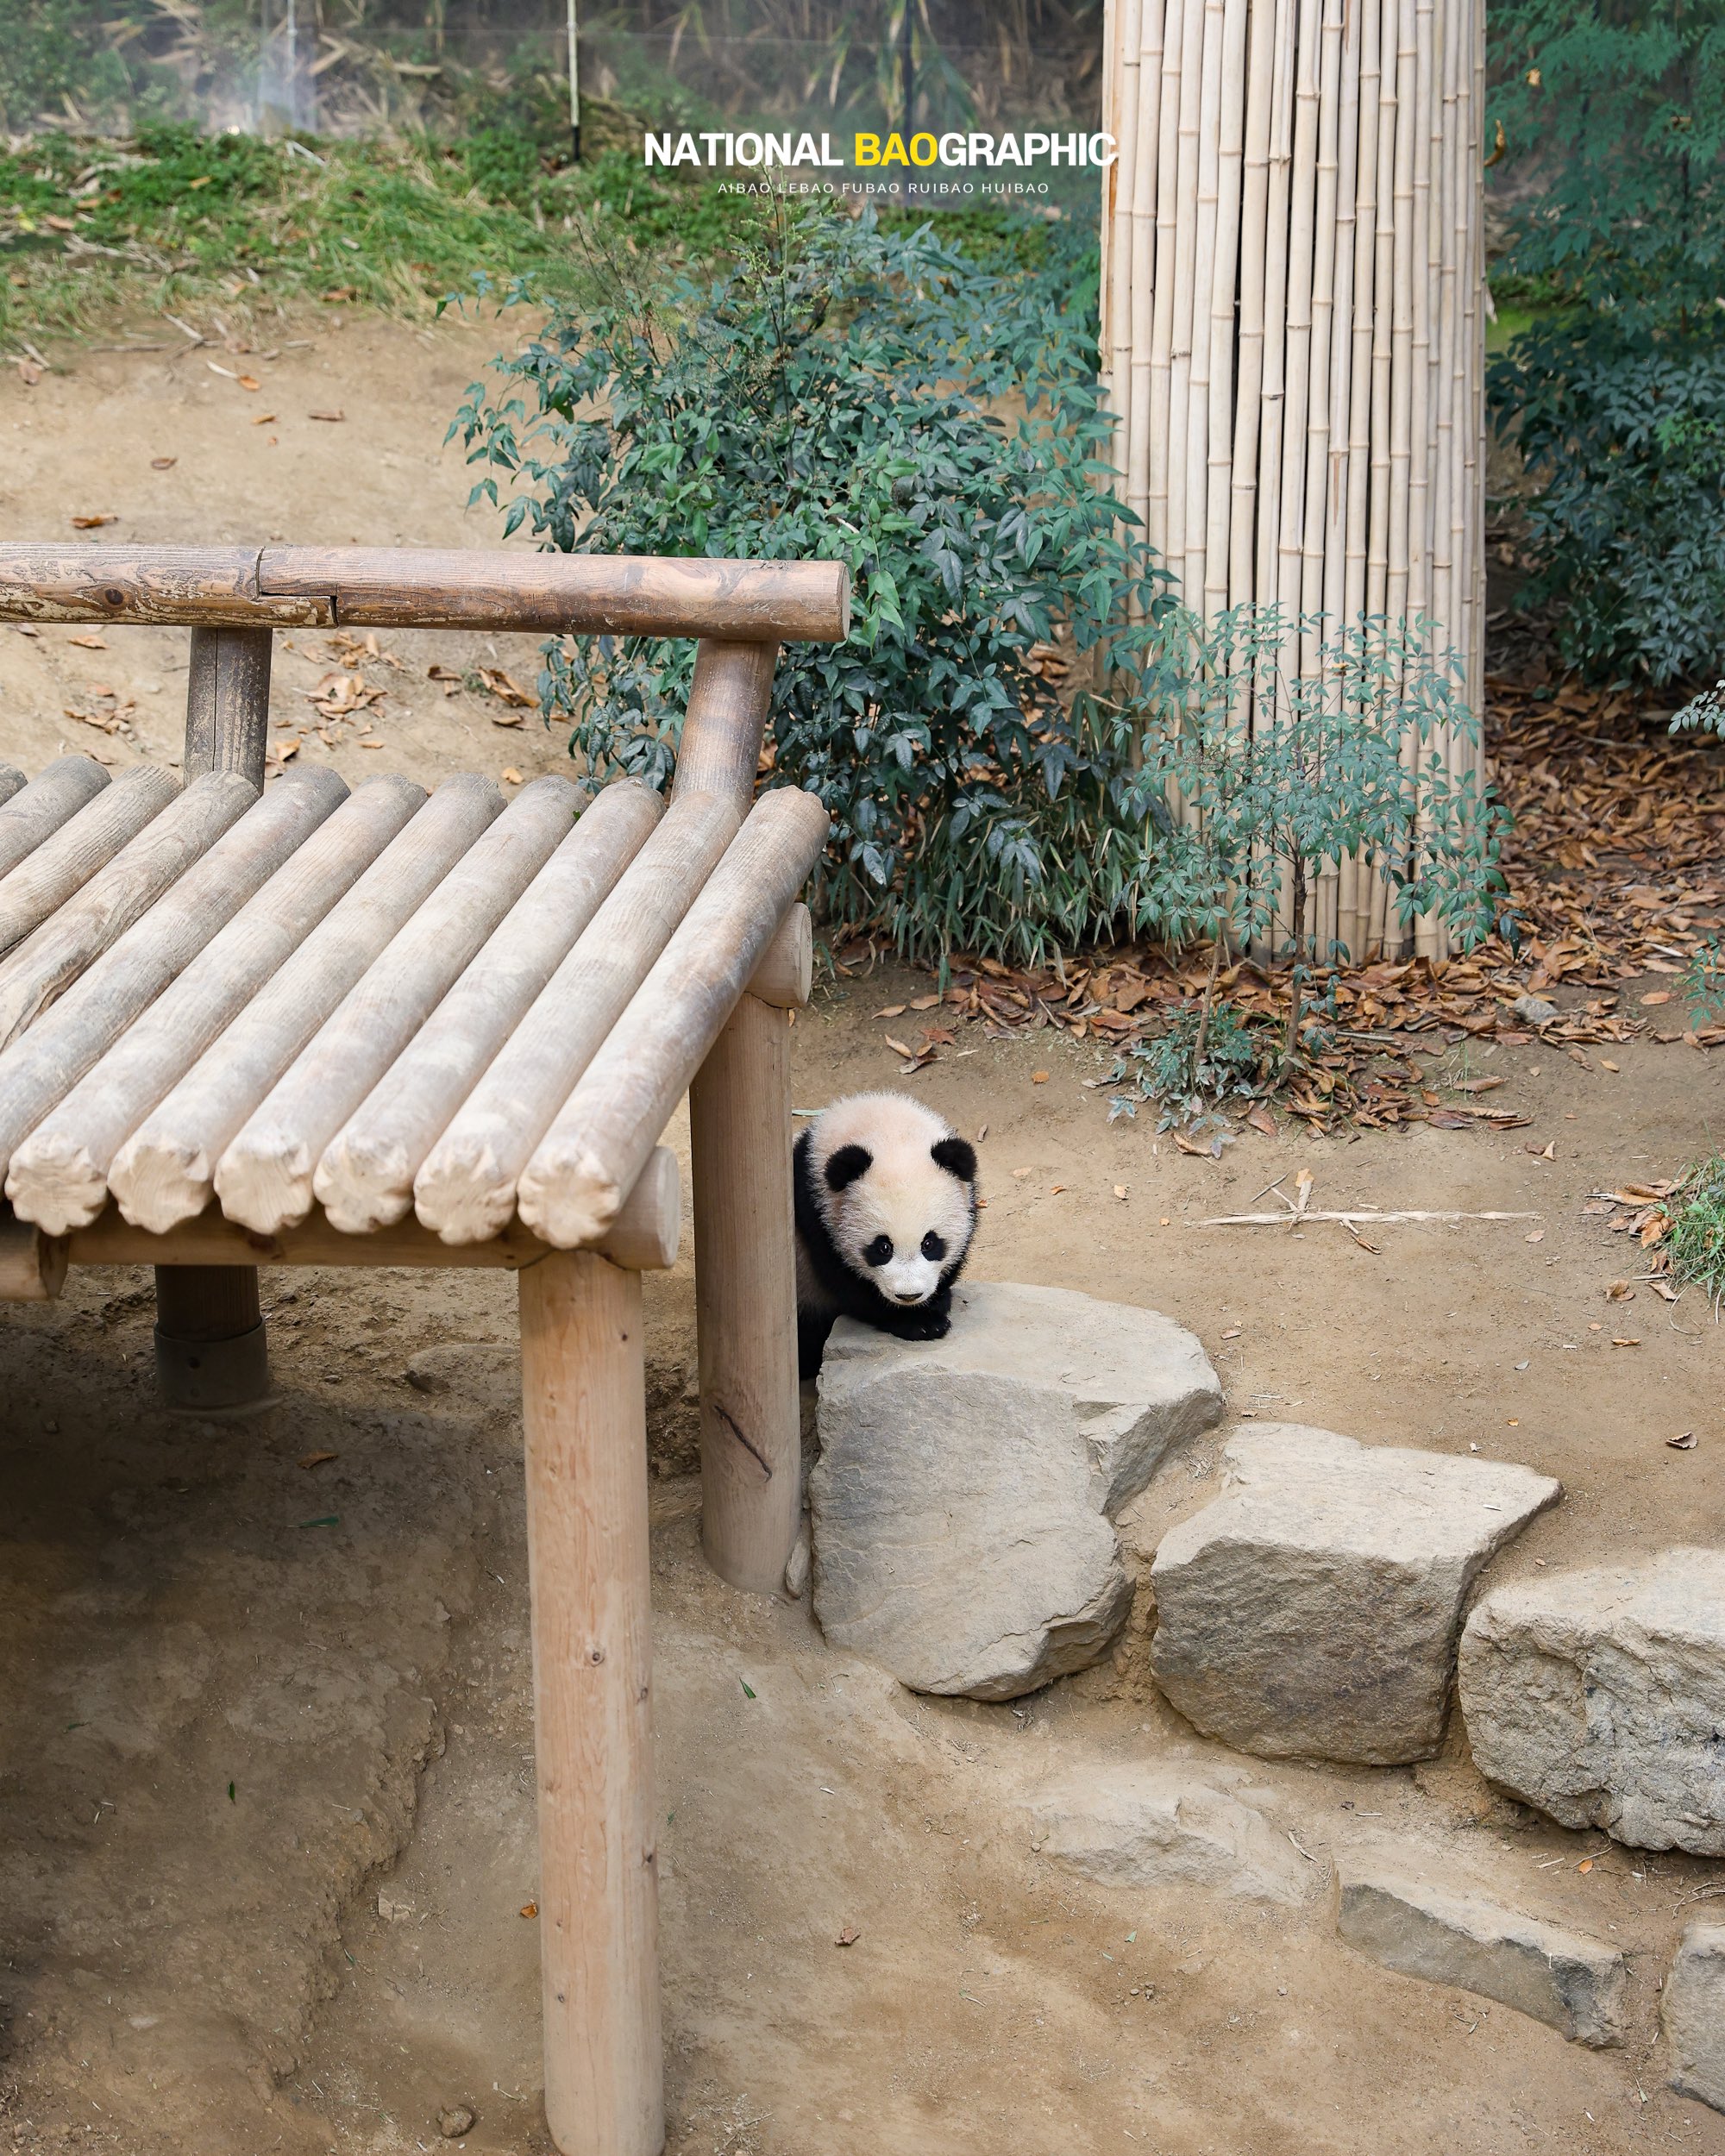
[{"x": 1292, "y": 333}]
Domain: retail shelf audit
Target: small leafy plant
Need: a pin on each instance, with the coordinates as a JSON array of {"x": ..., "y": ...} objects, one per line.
[
  {"x": 1208, "y": 1053},
  {"x": 1694, "y": 1242},
  {"x": 1275, "y": 774},
  {"x": 835, "y": 393}
]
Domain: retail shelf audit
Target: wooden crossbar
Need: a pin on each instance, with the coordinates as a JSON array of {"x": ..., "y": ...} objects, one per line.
[{"x": 430, "y": 588}]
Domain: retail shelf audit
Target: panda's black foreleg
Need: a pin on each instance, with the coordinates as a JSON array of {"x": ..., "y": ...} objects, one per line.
[{"x": 812, "y": 1328}]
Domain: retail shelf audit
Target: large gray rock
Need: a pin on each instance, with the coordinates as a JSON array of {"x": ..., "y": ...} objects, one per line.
[
  {"x": 1313, "y": 1610},
  {"x": 1599, "y": 1696},
  {"x": 1133, "y": 1826},
  {"x": 1448, "y": 1935},
  {"x": 1692, "y": 2015},
  {"x": 963, "y": 1502}
]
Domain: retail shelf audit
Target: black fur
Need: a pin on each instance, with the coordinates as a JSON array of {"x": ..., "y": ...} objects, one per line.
[{"x": 855, "y": 1296}]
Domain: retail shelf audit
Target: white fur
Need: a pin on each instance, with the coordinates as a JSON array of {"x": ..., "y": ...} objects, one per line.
[{"x": 903, "y": 1196}]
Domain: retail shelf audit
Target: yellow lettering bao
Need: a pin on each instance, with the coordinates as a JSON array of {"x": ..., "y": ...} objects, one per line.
[{"x": 867, "y": 149}]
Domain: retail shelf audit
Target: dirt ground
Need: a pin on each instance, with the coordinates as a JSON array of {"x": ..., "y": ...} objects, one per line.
[{"x": 265, "y": 1774}]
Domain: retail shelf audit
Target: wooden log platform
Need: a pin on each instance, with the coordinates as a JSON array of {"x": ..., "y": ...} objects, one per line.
[{"x": 247, "y": 1024}]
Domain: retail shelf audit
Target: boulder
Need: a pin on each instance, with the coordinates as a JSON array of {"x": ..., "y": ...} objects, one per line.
[
  {"x": 1130, "y": 1826},
  {"x": 1450, "y": 1935},
  {"x": 1313, "y": 1610},
  {"x": 1692, "y": 2015},
  {"x": 962, "y": 1507},
  {"x": 1599, "y": 1697}
]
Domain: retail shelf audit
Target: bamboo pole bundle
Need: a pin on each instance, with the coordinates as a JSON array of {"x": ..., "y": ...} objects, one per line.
[{"x": 1303, "y": 333}]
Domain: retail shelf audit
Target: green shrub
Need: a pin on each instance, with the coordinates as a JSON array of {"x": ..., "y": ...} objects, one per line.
[
  {"x": 838, "y": 393},
  {"x": 1694, "y": 1243},
  {"x": 1626, "y": 443},
  {"x": 1612, "y": 114}
]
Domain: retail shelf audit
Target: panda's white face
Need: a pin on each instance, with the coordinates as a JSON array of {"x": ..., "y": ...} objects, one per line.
[{"x": 897, "y": 1216}]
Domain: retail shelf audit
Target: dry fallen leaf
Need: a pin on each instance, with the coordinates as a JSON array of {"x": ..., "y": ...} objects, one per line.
[
  {"x": 1538, "y": 1236},
  {"x": 898, "y": 1047},
  {"x": 1119, "y": 1190},
  {"x": 529, "y": 1909},
  {"x": 1606, "y": 1064},
  {"x": 316, "y": 1459},
  {"x": 1233, "y": 1333},
  {"x": 1586, "y": 1865},
  {"x": 505, "y": 719},
  {"x": 1683, "y": 1442},
  {"x": 1038, "y": 1077},
  {"x": 891, "y": 1011},
  {"x": 333, "y": 417},
  {"x": 1261, "y": 1120},
  {"x": 89, "y": 642},
  {"x": 248, "y": 381},
  {"x": 1658, "y": 995},
  {"x": 924, "y": 1003},
  {"x": 1055, "y": 1189},
  {"x": 163, "y": 464},
  {"x": 1190, "y": 1145},
  {"x": 90, "y": 524},
  {"x": 1620, "y": 1291},
  {"x": 1663, "y": 1289},
  {"x": 509, "y": 774},
  {"x": 1625, "y": 1343},
  {"x": 264, "y": 419},
  {"x": 848, "y": 1937}
]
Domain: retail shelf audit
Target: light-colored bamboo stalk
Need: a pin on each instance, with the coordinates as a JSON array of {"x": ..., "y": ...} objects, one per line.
[
  {"x": 588, "y": 1569},
  {"x": 1264, "y": 42},
  {"x": 53, "y": 956},
  {"x": 1121, "y": 94},
  {"x": 364, "y": 1178},
  {"x": 593, "y": 1149},
  {"x": 62, "y": 1169},
  {"x": 1383, "y": 314},
  {"x": 65, "y": 862},
  {"x": 165, "y": 1171},
  {"x": 1231, "y": 157},
  {"x": 1135, "y": 404},
  {"x": 1304, "y": 217},
  {"x": 1211, "y": 99},
  {"x": 1160, "y": 297},
  {"x": 1193, "y": 14},
  {"x": 53, "y": 797},
  {"x": 466, "y": 1188},
  {"x": 1275, "y": 309},
  {"x": 264, "y": 1178}
]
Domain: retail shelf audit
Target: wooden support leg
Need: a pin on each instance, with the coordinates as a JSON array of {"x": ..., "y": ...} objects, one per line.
[
  {"x": 584, "y": 1407},
  {"x": 746, "y": 1299},
  {"x": 210, "y": 1346}
]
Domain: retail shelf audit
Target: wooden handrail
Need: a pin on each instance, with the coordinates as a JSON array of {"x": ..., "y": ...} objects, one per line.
[{"x": 430, "y": 588}]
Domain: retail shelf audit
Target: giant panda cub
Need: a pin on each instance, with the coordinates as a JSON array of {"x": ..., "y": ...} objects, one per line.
[{"x": 886, "y": 1203}]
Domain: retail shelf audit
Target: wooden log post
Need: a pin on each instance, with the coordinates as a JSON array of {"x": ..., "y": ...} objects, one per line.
[
  {"x": 210, "y": 1346},
  {"x": 583, "y": 1406},
  {"x": 745, "y": 1255}
]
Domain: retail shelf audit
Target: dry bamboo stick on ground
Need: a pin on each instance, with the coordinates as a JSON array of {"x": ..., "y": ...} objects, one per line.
[
  {"x": 55, "y": 794},
  {"x": 1153, "y": 307},
  {"x": 365, "y": 1179},
  {"x": 1195, "y": 572},
  {"x": 53, "y": 956},
  {"x": 1365, "y": 1218},
  {"x": 40, "y": 1069},
  {"x": 466, "y": 1188},
  {"x": 1219, "y": 477},
  {"x": 1185, "y": 278},
  {"x": 264, "y": 1178},
  {"x": 1263, "y": 45},
  {"x": 60, "y": 1171},
  {"x": 65, "y": 860},
  {"x": 594, "y": 1150},
  {"x": 166, "y": 1170}
]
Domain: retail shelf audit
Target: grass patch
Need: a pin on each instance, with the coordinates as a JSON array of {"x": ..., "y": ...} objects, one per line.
[
  {"x": 172, "y": 218},
  {"x": 1694, "y": 1242}
]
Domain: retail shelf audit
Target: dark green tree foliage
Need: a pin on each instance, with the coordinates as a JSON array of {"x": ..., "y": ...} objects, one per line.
[
  {"x": 837, "y": 393},
  {"x": 1613, "y": 114}
]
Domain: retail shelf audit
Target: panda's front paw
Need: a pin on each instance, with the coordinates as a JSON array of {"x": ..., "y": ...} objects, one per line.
[{"x": 926, "y": 1323}]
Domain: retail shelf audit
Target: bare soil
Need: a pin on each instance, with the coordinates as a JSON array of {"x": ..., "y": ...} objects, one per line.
[{"x": 266, "y": 1777}]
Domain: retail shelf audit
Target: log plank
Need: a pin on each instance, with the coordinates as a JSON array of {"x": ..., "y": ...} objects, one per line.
[
  {"x": 64, "y": 861},
  {"x": 55, "y": 794}
]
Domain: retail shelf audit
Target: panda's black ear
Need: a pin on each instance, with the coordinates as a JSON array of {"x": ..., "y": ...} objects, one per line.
[
  {"x": 957, "y": 1156},
  {"x": 846, "y": 1165}
]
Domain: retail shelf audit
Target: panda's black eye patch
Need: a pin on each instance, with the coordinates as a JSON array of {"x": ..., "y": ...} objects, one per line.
[
  {"x": 879, "y": 1251},
  {"x": 932, "y": 1247}
]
